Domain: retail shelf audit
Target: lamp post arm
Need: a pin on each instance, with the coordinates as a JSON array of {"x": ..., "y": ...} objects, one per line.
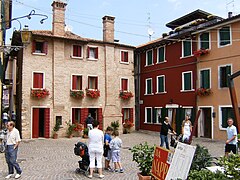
[{"x": 32, "y": 13}]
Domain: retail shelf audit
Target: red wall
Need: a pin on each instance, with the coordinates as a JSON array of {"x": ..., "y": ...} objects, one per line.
[{"x": 172, "y": 69}]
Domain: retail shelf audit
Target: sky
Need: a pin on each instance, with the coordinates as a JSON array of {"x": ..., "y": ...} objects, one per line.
[{"x": 133, "y": 18}]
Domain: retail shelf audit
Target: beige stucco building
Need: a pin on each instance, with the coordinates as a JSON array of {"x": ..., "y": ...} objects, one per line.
[
  {"x": 222, "y": 41},
  {"x": 58, "y": 66}
]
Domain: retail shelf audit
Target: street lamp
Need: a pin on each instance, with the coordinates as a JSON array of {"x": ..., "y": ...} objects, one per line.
[{"x": 25, "y": 35}]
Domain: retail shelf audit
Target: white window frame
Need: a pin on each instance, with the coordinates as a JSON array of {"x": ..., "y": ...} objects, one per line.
[
  {"x": 145, "y": 121},
  {"x": 122, "y": 62},
  {"x": 164, "y": 55},
  {"x": 146, "y": 86},
  {"x": 147, "y": 58},
  {"x": 218, "y": 35},
  {"x": 182, "y": 57},
  {"x": 220, "y": 115},
  {"x": 199, "y": 40},
  {"x": 121, "y": 83},
  {"x": 72, "y": 79},
  {"x": 88, "y": 82},
  {"x": 219, "y": 78},
  {"x": 43, "y": 79},
  {"x": 210, "y": 77},
  {"x": 183, "y": 81},
  {"x": 164, "y": 84},
  {"x": 90, "y": 58},
  {"x": 76, "y": 57}
]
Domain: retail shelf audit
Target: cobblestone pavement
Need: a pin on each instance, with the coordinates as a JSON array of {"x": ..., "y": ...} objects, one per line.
[{"x": 50, "y": 159}]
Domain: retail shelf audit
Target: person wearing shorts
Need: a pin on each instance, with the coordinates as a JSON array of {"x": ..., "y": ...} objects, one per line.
[
  {"x": 231, "y": 143},
  {"x": 107, "y": 151},
  {"x": 115, "y": 146}
]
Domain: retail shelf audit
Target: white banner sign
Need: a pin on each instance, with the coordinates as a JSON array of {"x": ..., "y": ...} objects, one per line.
[{"x": 181, "y": 163}]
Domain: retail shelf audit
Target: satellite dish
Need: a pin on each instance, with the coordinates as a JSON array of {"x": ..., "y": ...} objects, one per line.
[{"x": 150, "y": 31}]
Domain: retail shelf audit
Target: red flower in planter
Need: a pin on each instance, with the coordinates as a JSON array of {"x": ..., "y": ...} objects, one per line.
[
  {"x": 93, "y": 93},
  {"x": 203, "y": 92},
  {"x": 125, "y": 94},
  {"x": 200, "y": 52},
  {"x": 39, "y": 93}
]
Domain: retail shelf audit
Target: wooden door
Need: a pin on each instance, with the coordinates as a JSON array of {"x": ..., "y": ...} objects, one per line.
[
  {"x": 47, "y": 122},
  {"x": 35, "y": 122}
]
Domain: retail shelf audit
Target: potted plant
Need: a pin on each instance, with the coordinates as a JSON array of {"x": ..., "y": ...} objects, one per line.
[
  {"x": 85, "y": 133},
  {"x": 70, "y": 128},
  {"x": 56, "y": 129},
  {"x": 203, "y": 91},
  {"x": 115, "y": 125},
  {"x": 127, "y": 125},
  {"x": 143, "y": 156}
]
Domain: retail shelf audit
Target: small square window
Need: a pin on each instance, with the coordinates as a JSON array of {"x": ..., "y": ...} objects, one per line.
[
  {"x": 77, "y": 51},
  {"x": 149, "y": 57},
  {"x": 124, "y": 56},
  {"x": 92, "y": 52}
]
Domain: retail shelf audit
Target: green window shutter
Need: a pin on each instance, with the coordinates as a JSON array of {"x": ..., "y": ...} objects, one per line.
[
  {"x": 224, "y": 34},
  {"x": 149, "y": 115},
  {"x": 149, "y": 86},
  {"x": 228, "y": 72},
  {"x": 161, "y": 84},
  {"x": 161, "y": 54},
  {"x": 227, "y": 112},
  {"x": 205, "y": 79},
  {"x": 187, "y": 81},
  {"x": 204, "y": 41},
  {"x": 222, "y": 72},
  {"x": 187, "y": 48},
  {"x": 149, "y": 57},
  {"x": 154, "y": 115}
]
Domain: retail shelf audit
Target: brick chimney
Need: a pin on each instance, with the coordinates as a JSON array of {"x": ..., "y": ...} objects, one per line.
[
  {"x": 108, "y": 28},
  {"x": 58, "y": 24}
]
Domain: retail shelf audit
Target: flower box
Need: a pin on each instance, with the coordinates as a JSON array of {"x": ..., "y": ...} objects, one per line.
[
  {"x": 93, "y": 93},
  {"x": 203, "y": 92},
  {"x": 39, "y": 93},
  {"x": 200, "y": 52},
  {"x": 77, "y": 93},
  {"x": 125, "y": 94}
]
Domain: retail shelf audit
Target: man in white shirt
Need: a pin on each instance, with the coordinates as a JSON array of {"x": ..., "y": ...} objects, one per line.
[
  {"x": 13, "y": 140},
  {"x": 231, "y": 143}
]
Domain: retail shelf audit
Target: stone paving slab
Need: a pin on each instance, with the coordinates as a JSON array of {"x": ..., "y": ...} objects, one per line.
[{"x": 50, "y": 159}]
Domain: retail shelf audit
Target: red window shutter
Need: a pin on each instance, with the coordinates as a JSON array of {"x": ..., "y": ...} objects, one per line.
[
  {"x": 89, "y": 78},
  {"x": 40, "y": 80},
  {"x": 74, "y": 82},
  {"x": 45, "y": 47},
  {"x": 131, "y": 114},
  {"x": 122, "y": 115},
  {"x": 79, "y": 51},
  {"x": 96, "y": 53},
  {"x": 88, "y": 52},
  {"x": 80, "y": 82},
  {"x": 74, "y": 50},
  {"x": 126, "y": 57},
  {"x": 124, "y": 84},
  {"x": 73, "y": 115},
  {"x": 96, "y": 82},
  {"x": 122, "y": 56},
  {"x": 37, "y": 80},
  {"x": 33, "y": 46}
]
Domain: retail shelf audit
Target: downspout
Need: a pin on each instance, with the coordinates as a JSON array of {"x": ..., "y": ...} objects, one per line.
[{"x": 105, "y": 71}]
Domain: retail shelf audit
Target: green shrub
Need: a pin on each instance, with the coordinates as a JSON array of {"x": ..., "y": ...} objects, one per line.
[
  {"x": 115, "y": 125},
  {"x": 231, "y": 165},
  {"x": 201, "y": 159},
  {"x": 143, "y": 156},
  {"x": 205, "y": 174}
]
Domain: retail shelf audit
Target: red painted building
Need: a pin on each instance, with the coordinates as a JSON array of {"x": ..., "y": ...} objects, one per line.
[{"x": 165, "y": 72}]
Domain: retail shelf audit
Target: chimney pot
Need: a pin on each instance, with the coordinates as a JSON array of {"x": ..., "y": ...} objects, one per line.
[{"x": 230, "y": 14}]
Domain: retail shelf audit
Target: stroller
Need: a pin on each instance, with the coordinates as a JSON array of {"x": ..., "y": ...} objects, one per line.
[
  {"x": 3, "y": 140},
  {"x": 81, "y": 150}
]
